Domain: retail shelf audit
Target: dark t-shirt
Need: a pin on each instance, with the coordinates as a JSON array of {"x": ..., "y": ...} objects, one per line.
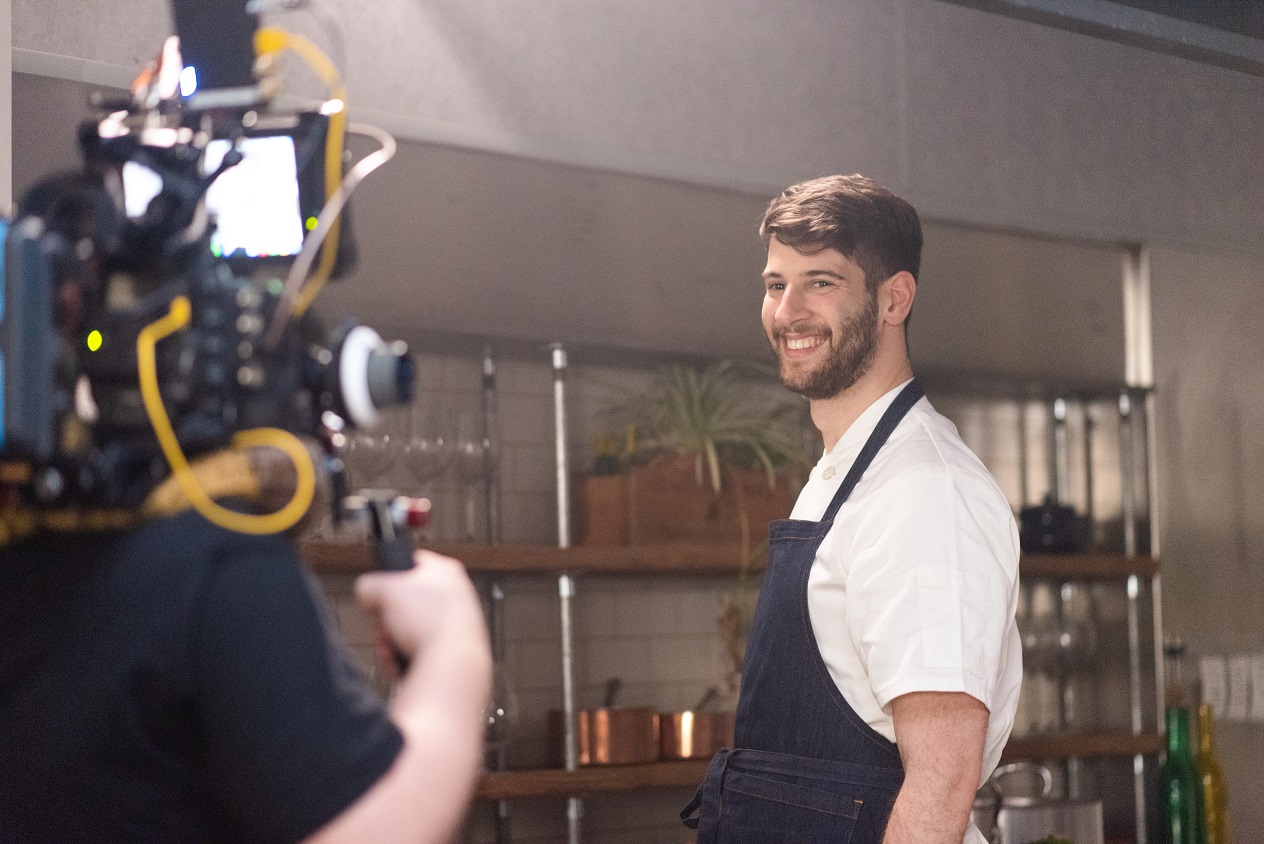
[{"x": 176, "y": 683}]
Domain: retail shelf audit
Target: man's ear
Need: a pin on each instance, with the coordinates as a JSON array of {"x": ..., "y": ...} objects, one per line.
[{"x": 897, "y": 300}]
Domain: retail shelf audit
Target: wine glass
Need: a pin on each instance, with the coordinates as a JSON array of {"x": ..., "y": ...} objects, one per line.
[
  {"x": 370, "y": 454},
  {"x": 1077, "y": 650},
  {"x": 428, "y": 451},
  {"x": 1041, "y": 656},
  {"x": 502, "y": 714},
  {"x": 472, "y": 463}
]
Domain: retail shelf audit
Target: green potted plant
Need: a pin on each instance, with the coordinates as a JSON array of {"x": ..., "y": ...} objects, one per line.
[
  {"x": 710, "y": 417},
  {"x": 706, "y": 451}
]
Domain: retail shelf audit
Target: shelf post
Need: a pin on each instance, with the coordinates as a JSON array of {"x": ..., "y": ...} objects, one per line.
[
  {"x": 565, "y": 585},
  {"x": 560, "y": 451},
  {"x": 1139, "y": 375},
  {"x": 495, "y": 593},
  {"x": 491, "y": 449},
  {"x": 1150, "y": 445},
  {"x": 1128, "y": 491}
]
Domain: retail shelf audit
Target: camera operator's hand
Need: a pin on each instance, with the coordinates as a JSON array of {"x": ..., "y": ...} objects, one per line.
[
  {"x": 433, "y": 616},
  {"x": 431, "y": 601}
]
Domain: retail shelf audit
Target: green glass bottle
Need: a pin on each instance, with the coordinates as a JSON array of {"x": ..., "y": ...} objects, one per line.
[
  {"x": 1182, "y": 787},
  {"x": 1215, "y": 797}
]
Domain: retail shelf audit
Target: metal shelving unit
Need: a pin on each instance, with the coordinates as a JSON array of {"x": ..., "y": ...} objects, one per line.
[
  {"x": 1132, "y": 566},
  {"x": 721, "y": 560}
]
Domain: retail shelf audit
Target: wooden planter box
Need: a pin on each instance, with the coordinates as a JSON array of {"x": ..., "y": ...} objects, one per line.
[{"x": 663, "y": 502}]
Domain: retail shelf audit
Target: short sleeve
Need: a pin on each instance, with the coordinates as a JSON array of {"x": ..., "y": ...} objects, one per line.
[
  {"x": 291, "y": 731},
  {"x": 929, "y": 586}
]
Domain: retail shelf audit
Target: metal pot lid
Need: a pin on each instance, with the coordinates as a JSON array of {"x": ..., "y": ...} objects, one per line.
[{"x": 1042, "y": 775}]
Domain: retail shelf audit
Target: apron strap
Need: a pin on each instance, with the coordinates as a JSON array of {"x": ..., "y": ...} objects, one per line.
[
  {"x": 909, "y": 396},
  {"x": 708, "y": 792}
]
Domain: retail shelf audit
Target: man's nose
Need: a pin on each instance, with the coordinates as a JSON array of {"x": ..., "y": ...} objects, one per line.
[{"x": 791, "y": 308}]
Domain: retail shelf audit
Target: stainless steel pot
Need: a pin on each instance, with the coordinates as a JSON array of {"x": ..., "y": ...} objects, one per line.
[
  {"x": 987, "y": 805},
  {"x": 1027, "y": 818},
  {"x": 1023, "y": 820}
]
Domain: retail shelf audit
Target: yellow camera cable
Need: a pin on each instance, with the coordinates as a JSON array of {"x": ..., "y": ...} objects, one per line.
[
  {"x": 176, "y": 318},
  {"x": 270, "y": 40}
]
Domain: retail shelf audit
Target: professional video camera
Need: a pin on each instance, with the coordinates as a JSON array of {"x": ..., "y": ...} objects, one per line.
[{"x": 144, "y": 320}]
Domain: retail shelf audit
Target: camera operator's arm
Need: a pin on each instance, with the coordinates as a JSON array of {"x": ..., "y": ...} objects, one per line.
[{"x": 434, "y": 617}]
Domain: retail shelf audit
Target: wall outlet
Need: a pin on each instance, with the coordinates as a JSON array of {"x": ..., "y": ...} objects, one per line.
[
  {"x": 1213, "y": 671},
  {"x": 1240, "y": 669},
  {"x": 1257, "y": 687}
]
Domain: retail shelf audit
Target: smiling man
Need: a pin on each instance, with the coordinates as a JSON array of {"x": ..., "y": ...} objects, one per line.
[{"x": 883, "y": 667}]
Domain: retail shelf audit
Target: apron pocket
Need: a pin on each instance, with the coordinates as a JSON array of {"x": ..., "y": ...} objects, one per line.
[{"x": 769, "y": 811}]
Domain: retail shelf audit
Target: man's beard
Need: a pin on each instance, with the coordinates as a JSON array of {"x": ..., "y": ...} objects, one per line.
[{"x": 848, "y": 357}]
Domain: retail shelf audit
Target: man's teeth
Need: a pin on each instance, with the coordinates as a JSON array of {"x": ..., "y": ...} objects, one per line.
[{"x": 803, "y": 342}]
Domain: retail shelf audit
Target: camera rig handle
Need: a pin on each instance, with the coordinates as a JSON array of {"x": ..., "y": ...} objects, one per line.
[{"x": 390, "y": 518}]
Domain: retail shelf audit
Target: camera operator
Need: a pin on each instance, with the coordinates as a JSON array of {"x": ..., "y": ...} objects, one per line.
[
  {"x": 169, "y": 671},
  {"x": 176, "y": 681}
]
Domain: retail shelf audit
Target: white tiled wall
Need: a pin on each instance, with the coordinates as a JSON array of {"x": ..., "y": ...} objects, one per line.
[{"x": 658, "y": 635}]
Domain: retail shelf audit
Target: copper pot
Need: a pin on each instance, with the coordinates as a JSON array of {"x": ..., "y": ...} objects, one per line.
[
  {"x": 611, "y": 735},
  {"x": 694, "y": 735}
]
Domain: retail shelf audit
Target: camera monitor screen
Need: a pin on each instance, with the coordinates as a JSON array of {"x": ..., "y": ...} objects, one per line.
[
  {"x": 256, "y": 203},
  {"x": 140, "y": 185},
  {"x": 265, "y": 205}
]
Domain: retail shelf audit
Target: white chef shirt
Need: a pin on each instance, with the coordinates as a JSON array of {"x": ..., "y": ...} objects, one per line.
[{"x": 914, "y": 588}]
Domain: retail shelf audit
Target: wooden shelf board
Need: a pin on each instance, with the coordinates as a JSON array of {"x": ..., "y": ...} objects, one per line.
[
  {"x": 552, "y": 782},
  {"x": 678, "y": 558},
  {"x": 1084, "y": 745},
  {"x": 683, "y": 558}
]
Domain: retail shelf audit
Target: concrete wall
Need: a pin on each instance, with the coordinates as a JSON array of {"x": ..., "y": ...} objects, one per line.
[{"x": 975, "y": 117}]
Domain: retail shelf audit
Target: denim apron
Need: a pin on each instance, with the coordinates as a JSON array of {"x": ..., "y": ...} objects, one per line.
[{"x": 806, "y": 767}]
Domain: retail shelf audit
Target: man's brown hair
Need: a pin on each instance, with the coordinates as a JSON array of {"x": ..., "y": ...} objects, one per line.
[{"x": 855, "y": 215}]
